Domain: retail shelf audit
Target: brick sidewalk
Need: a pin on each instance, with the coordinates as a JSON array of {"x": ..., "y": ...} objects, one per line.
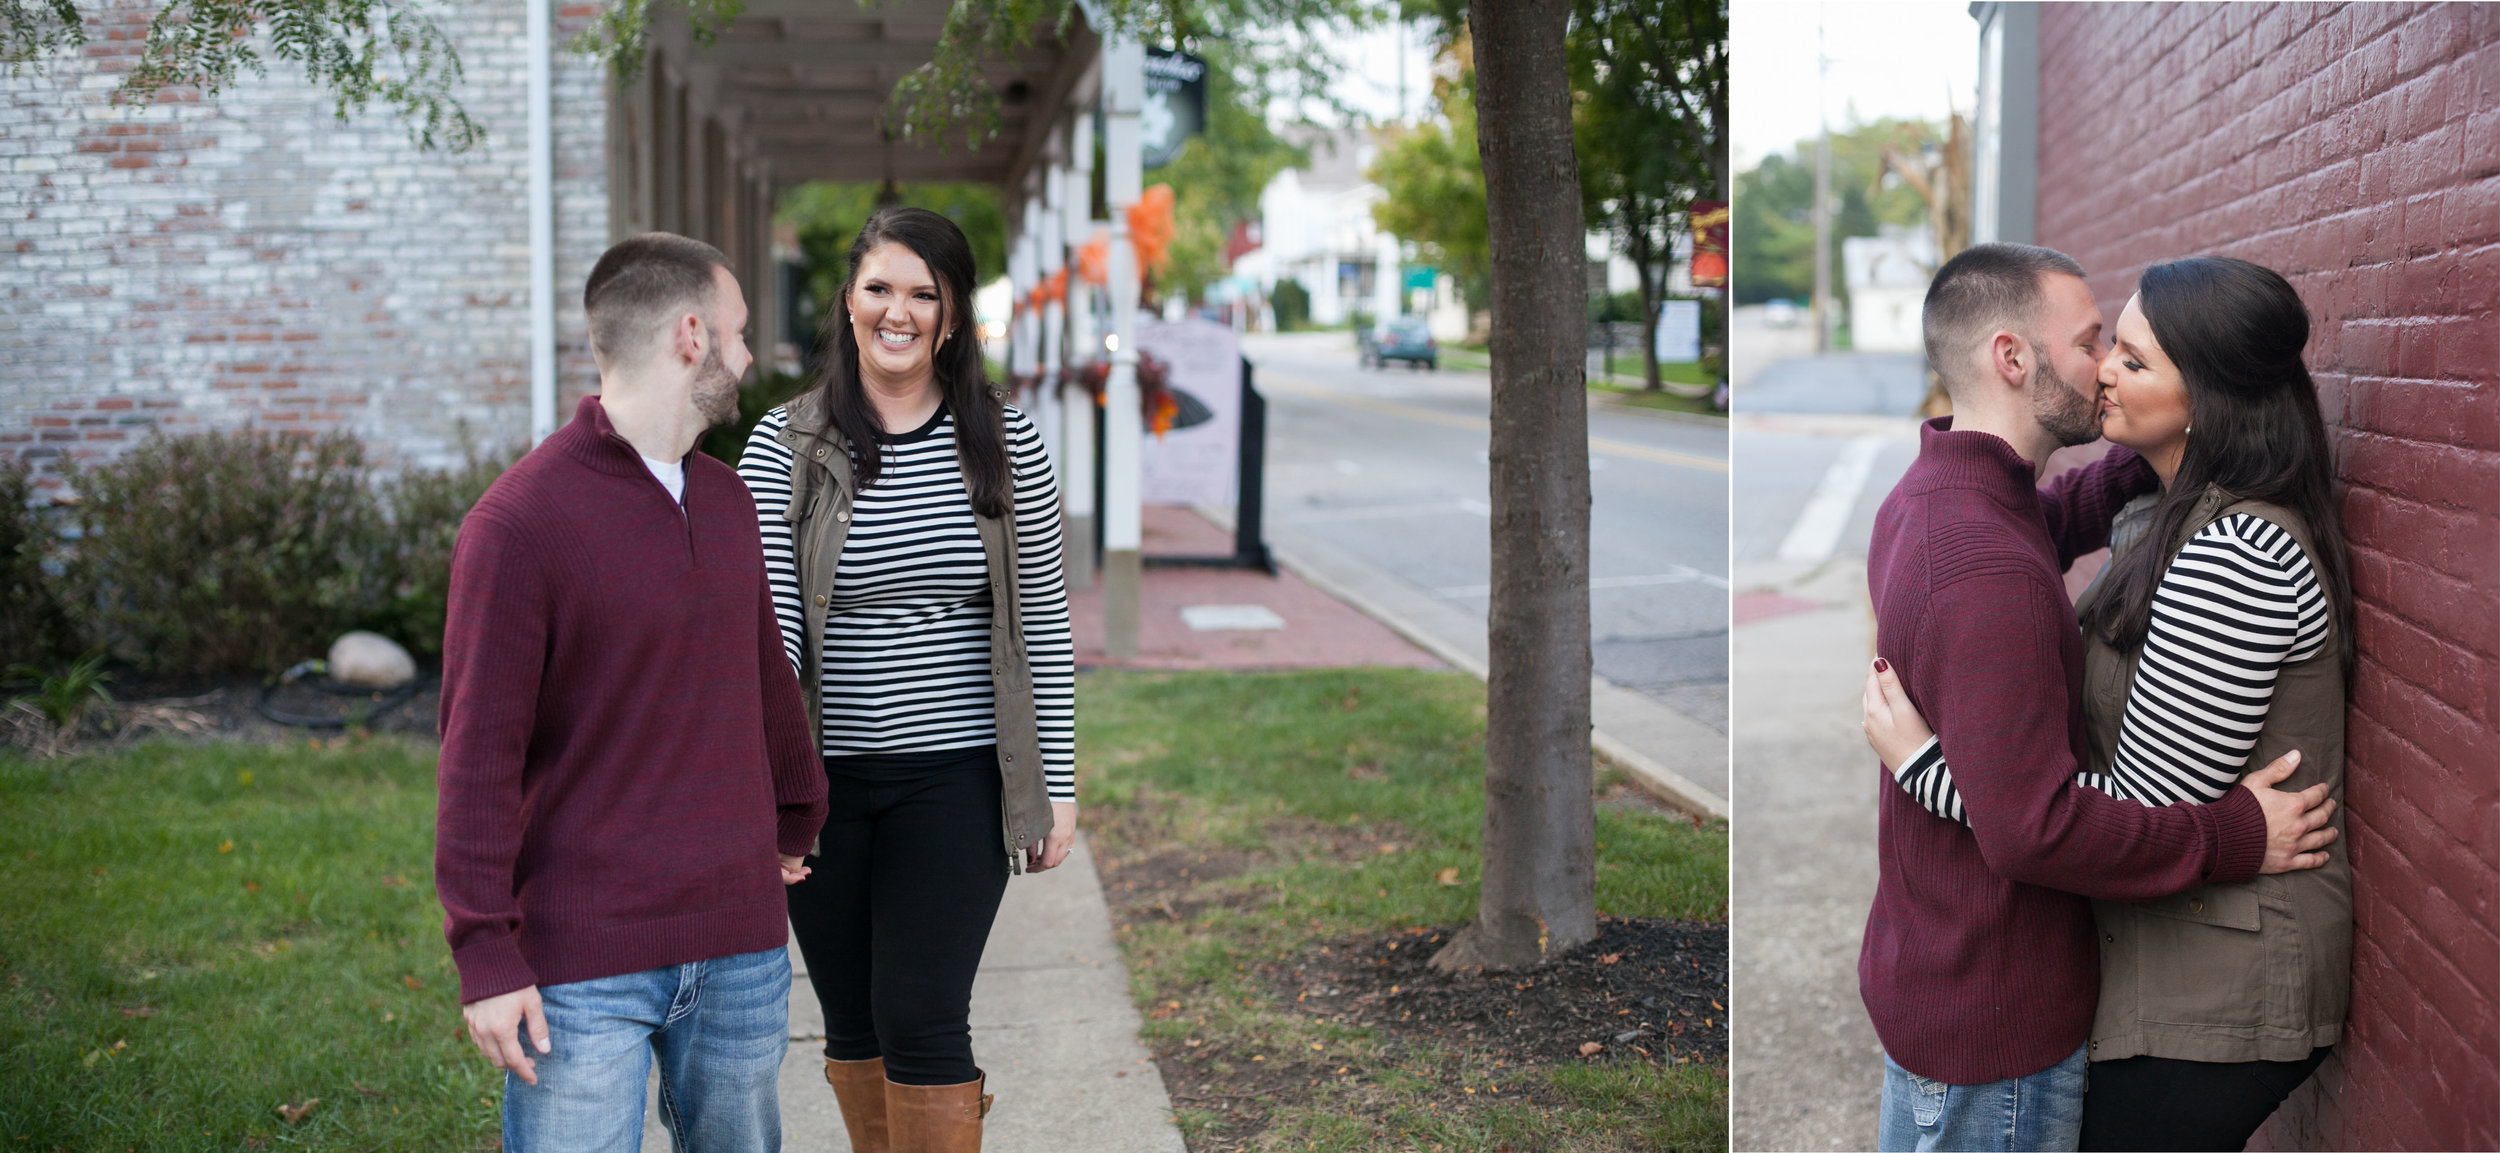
[{"x": 1319, "y": 630}]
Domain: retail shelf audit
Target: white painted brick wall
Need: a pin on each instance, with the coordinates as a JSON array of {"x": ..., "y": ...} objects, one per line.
[{"x": 249, "y": 259}]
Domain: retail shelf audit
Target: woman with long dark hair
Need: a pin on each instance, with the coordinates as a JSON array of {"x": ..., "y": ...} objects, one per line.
[
  {"x": 911, "y": 536},
  {"x": 2217, "y": 640}
]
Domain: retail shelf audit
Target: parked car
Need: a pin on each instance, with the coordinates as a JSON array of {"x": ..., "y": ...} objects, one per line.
[
  {"x": 1781, "y": 313},
  {"x": 1406, "y": 338}
]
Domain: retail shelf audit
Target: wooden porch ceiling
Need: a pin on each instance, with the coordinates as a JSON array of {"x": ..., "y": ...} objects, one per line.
[{"x": 804, "y": 81}]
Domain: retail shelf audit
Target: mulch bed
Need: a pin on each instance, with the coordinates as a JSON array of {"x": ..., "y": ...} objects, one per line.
[
  {"x": 1647, "y": 989},
  {"x": 227, "y": 709}
]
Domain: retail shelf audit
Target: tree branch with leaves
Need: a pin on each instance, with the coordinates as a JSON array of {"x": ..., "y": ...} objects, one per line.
[{"x": 360, "y": 51}]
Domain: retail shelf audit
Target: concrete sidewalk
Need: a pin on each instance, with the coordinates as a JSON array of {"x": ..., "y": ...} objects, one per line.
[
  {"x": 1807, "y": 1070},
  {"x": 1052, "y": 1025},
  {"x": 1312, "y": 628}
]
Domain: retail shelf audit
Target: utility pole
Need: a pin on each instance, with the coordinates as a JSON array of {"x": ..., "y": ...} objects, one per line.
[
  {"x": 1822, "y": 199},
  {"x": 1404, "y": 38}
]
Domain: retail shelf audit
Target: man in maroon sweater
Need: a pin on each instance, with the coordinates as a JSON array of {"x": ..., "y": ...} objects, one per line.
[
  {"x": 627, "y": 776},
  {"x": 1980, "y": 965}
]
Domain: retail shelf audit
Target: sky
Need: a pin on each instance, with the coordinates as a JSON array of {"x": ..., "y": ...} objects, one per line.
[
  {"x": 1371, "y": 73},
  {"x": 1899, "y": 58}
]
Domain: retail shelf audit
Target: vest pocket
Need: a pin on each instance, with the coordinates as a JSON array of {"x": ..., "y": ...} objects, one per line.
[{"x": 2220, "y": 955}]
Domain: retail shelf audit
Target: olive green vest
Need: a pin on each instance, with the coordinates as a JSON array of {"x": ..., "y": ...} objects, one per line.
[
  {"x": 2257, "y": 971},
  {"x": 819, "y": 516}
]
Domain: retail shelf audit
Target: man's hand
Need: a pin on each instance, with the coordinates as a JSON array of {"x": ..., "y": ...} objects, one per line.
[
  {"x": 495, "y": 1027},
  {"x": 794, "y": 870},
  {"x": 2296, "y": 832},
  {"x": 1053, "y": 848}
]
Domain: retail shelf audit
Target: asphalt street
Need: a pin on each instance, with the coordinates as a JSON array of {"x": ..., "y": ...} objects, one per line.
[
  {"x": 1818, "y": 442},
  {"x": 1390, "y": 466}
]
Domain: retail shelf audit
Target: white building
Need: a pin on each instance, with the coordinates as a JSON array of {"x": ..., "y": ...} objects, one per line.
[
  {"x": 1316, "y": 229},
  {"x": 1887, "y": 276}
]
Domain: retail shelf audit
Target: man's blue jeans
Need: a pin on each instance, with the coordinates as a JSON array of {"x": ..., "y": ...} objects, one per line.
[
  {"x": 719, "y": 1027},
  {"x": 2041, "y": 1111}
]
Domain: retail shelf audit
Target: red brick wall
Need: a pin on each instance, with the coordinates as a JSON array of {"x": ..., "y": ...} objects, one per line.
[{"x": 2355, "y": 149}]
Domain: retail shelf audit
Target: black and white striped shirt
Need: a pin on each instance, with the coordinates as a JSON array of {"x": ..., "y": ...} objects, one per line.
[
  {"x": 907, "y": 631},
  {"x": 2238, "y": 603}
]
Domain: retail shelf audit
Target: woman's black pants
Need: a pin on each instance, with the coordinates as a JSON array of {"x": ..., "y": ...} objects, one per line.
[
  {"x": 893, "y": 919},
  {"x": 2161, "y": 1103}
]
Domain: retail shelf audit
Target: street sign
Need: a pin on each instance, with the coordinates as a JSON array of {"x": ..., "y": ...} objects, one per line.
[
  {"x": 1421, "y": 277},
  {"x": 1175, "y": 108},
  {"x": 1679, "y": 332}
]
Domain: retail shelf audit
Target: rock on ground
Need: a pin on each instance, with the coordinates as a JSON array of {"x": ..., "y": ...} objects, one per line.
[{"x": 370, "y": 660}]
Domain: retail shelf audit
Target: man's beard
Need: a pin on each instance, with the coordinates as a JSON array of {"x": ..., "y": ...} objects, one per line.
[
  {"x": 715, "y": 387},
  {"x": 2071, "y": 417}
]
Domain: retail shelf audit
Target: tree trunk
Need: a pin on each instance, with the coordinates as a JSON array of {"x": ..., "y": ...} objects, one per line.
[
  {"x": 1644, "y": 263},
  {"x": 1539, "y": 896}
]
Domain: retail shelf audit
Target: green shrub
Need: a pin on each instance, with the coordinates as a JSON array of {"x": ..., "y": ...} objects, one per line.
[
  {"x": 1292, "y": 303},
  {"x": 424, "y": 510},
  {"x": 33, "y": 629},
  {"x": 227, "y": 552}
]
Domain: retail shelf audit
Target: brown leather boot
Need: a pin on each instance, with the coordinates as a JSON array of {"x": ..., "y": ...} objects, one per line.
[
  {"x": 859, "y": 1087},
  {"x": 937, "y": 1118}
]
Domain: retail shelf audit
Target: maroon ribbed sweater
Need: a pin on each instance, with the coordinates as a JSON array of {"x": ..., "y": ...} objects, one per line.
[
  {"x": 1980, "y": 960},
  {"x": 624, "y": 746}
]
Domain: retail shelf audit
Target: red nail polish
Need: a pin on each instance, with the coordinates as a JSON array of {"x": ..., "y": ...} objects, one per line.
[{"x": 1882, "y": 666}]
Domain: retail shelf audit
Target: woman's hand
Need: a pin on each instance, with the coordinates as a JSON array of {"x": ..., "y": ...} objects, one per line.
[
  {"x": 794, "y": 870},
  {"x": 1893, "y": 726},
  {"x": 1053, "y": 848}
]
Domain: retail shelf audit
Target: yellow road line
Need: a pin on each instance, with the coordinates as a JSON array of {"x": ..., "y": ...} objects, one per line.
[{"x": 1597, "y": 444}]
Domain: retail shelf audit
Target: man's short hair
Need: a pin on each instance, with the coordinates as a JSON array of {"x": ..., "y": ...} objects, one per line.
[
  {"x": 1985, "y": 288},
  {"x": 641, "y": 284}
]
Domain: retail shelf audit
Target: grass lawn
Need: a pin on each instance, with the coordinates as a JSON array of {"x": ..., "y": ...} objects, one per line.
[
  {"x": 197, "y": 935},
  {"x": 1624, "y": 387},
  {"x": 1633, "y": 395},
  {"x": 1329, "y": 806}
]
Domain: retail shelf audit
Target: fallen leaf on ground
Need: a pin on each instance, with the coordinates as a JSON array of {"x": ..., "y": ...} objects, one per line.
[
  {"x": 1448, "y": 876},
  {"x": 1591, "y": 1048},
  {"x": 225, "y": 846},
  {"x": 1610, "y": 958},
  {"x": 412, "y": 982},
  {"x": 296, "y": 1113}
]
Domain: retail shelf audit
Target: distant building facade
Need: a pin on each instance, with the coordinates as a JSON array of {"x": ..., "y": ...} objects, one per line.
[{"x": 1315, "y": 229}]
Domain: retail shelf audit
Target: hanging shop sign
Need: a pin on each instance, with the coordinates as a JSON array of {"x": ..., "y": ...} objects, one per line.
[
  {"x": 1709, "y": 223},
  {"x": 1175, "y": 107}
]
